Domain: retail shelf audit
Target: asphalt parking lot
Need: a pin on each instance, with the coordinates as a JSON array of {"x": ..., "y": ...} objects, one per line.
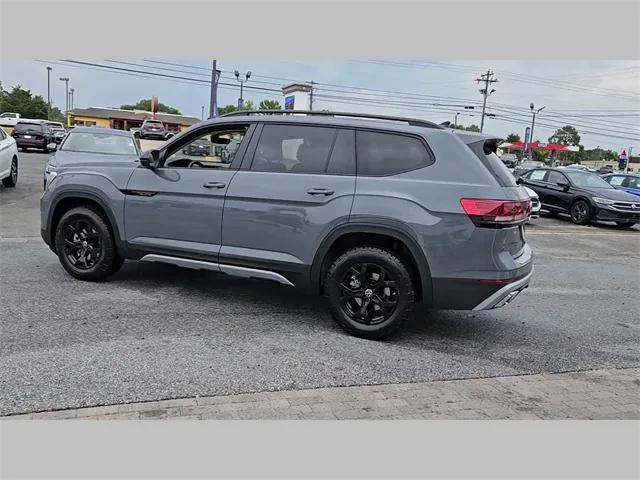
[{"x": 155, "y": 331}]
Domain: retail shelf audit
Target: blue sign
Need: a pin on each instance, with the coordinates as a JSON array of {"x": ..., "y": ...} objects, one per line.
[
  {"x": 526, "y": 139},
  {"x": 289, "y": 102}
]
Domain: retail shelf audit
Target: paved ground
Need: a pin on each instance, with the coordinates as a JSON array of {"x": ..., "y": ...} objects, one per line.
[
  {"x": 595, "y": 394},
  {"x": 157, "y": 332}
]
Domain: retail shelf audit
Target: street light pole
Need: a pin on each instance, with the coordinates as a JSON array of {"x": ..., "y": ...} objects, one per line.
[
  {"x": 455, "y": 123},
  {"x": 242, "y": 82},
  {"x": 202, "y": 115},
  {"x": 533, "y": 123},
  {"x": 49, "y": 93},
  {"x": 66, "y": 111},
  {"x": 71, "y": 102}
]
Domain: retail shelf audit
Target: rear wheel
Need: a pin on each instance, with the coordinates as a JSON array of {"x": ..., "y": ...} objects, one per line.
[
  {"x": 85, "y": 245},
  {"x": 370, "y": 292},
  {"x": 580, "y": 213},
  {"x": 12, "y": 179},
  {"x": 625, "y": 224}
]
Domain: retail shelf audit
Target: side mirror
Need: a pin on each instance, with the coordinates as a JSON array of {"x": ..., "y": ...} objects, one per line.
[
  {"x": 564, "y": 185},
  {"x": 150, "y": 159},
  {"x": 52, "y": 147},
  {"x": 519, "y": 180}
]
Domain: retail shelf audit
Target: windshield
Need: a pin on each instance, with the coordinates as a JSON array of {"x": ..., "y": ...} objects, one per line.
[
  {"x": 99, "y": 143},
  {"x": 585, "y": 179}
]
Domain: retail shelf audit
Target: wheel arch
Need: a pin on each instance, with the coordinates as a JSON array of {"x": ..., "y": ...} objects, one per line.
[
  {"x": 324, "y": 253},
  {"x": 71, "y": 199}
]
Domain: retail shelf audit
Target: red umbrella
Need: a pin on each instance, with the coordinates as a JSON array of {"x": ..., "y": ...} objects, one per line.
[{"x": 540, "y": 145}]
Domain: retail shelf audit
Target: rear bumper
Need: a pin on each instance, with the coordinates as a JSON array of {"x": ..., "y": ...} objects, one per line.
[
  {"x": 506, "y": 294},
  {"x": 31, "y": 142}
]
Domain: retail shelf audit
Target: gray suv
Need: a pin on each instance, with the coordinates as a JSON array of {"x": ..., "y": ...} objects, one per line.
[{"x": 376, "y": 213}]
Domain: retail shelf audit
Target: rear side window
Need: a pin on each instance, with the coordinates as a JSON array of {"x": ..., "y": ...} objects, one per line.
[
  {"x": 388, "y": 154},
  {"x": 293, "y": 149},
  {"x": 485, "y": 151},
  {"x": 343, "y": 155},
  {"x": 555, "y": 177}
]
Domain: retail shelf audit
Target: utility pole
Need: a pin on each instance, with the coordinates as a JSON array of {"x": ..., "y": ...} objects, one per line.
[
  {"x": 213, "y": 103},
  {"x": 202, "y": 115},
  {"x": 455, "y": 122},
  {"x": 71, "y": 102},
  {"x": 49, "y": 93},
  {"x": 311, "y": 96},
  {"x": 487, "y": 79},
  {"x": 66, "y": 111}
]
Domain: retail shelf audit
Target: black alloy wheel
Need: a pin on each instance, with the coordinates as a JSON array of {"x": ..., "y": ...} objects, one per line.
[
  {"x": 580, "y": 212},
  {"x": 82, "y": 244},
  {"x": 369, "y": 295}
]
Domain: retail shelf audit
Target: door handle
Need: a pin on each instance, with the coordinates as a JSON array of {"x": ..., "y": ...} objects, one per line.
[
  {"x": 214, "y": 185},
  {"x": 320, "y": 191}
]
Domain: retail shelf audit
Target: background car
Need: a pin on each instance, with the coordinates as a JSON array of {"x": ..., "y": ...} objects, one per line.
[
  {"x": 535, "y": 204},
  {"x": 584, "y": 196},
  {"x": 33, "y": 134},
  {"x": 510, "y": 160},
  {"x": 627, "y": 182},
  {"x": 89, "y": 145},
  {"x": 8, "y": 160},
  {"x": 151, "y": 129},
  {"x": 200, "y": 147},
  {"x": 525, "y": 166},
  {"x": 58, "y": 131},
  {"x": 604, "y": 170}
]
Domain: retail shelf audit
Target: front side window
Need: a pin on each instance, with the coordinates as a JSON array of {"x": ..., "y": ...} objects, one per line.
[
  {"x": 632, "y": 182},
  {"x": 105, "y": 143},
  {"x": 615, "y": 181},
  {"x": 210, "y": 150},
  {"x": 556, "y": 177},
  {"x": 388, "y": 154},
  {"x": 293, "y": 149},
  {"x": 537, "y": 175}
]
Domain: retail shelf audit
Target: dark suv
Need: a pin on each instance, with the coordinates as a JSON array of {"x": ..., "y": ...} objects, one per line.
[
  {"x": 153, "y": 129},
  {"x": 33, "y": 134},
  {"x": 376, "y": 213}
]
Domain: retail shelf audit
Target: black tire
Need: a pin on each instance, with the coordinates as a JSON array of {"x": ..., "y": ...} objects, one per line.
[
  {"x": 580, "y": 212},
  {"x": 625, "y": 224},
  {"x": 98, "y": 230},
  {"x": 24, "y": 149},
  {"x": 398, "y": 299},
  {"x": 12, "y": 179}
]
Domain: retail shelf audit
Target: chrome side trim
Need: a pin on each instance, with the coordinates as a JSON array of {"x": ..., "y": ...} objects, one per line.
[
  {"x": 494, "y": 299},
  {"x": 232, "y": 270},
  {"x": 254, "y": 273},
  {"x": 182, "y": 262}
]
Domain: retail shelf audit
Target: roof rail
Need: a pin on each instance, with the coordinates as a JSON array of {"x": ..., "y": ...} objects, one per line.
[{"x": 410, "y": 121}]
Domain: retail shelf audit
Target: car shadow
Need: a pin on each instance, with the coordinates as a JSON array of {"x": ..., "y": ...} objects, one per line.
[{"x": 605, "y": 225}]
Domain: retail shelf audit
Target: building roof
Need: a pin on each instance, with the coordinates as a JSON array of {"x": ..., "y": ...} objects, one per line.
[
  {"x": 110, "y": 131},
  {"x": 103, "y": 112}
]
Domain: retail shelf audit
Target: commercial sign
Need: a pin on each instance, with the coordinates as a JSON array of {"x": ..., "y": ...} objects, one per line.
[{"x": 289, "y": 102}]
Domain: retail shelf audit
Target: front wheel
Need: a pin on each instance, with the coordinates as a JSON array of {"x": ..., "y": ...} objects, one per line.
[
  {"x": 580, "y": 213},
  {"x": 625, "y": 224},
  {"x": 12, "y": 179},
  {"x": 370, "y": 292},
  {"x": 85, "y": 245}
]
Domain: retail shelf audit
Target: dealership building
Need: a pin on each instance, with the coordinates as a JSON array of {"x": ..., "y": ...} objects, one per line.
[{"x": 125, "y": 119}]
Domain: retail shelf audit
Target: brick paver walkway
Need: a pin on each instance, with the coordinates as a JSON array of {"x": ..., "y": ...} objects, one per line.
[{"x": 597, "y": 394}]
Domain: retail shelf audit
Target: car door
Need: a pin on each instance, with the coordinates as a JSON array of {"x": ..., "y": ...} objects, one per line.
[
  {"x": 297, "y": 184},
  {"x": 557, "y": 196},
  {"x": 6, "y": 154},
  {"x": 176, "y": 209}
]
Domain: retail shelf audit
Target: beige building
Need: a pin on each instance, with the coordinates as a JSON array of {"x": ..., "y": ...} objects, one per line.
[{"x": 126, "y": 119}]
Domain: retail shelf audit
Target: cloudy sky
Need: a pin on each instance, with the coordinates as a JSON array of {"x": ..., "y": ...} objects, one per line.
[{"x": 600, "y": 98}]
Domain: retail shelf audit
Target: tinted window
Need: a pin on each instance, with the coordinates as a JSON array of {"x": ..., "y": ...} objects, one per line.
[
  {"x": 537, "y": 174},
  {"x": 555, "y": 177},
  {"x": 343, "y": 158},
  {"x": 294, "y": 149},
  {"x": 28, "y": 127},
  {"x": 387, "y": 153}
]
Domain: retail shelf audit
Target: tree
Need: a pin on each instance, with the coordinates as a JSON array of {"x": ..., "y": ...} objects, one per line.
[
  {"x": 513, "y": 138},
  {"x": 472, "y": 128},
  {"x": 566, "y": 135},
  {"x": 22, "y": 101},
  {"x": 145, "y": 105},
  {"x": 270, "y": 105},
  {"x": 227, "y": 109},
  {"x": 248, "y": 105}
]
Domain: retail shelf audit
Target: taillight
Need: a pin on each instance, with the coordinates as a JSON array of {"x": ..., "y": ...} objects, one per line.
[{"x": 496, "y": 213}]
